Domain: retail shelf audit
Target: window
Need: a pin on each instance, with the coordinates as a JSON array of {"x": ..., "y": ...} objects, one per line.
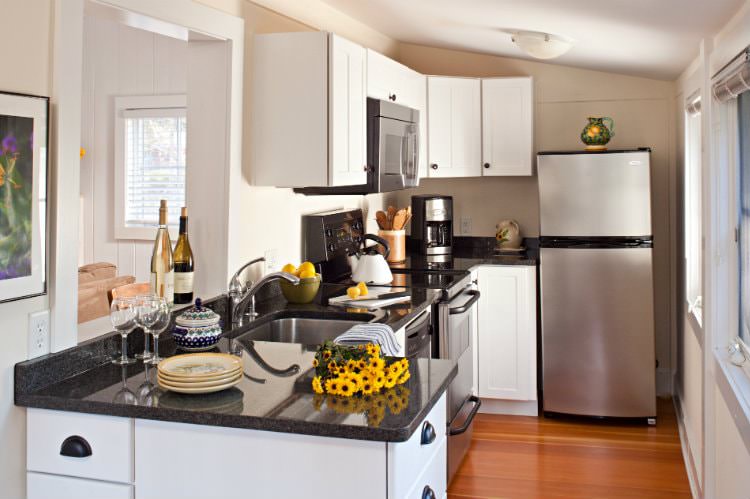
[
  {"x": 743, "y": 120},
  {"x": 150, "y": 162},
  {"x": 693, "y": 209}
]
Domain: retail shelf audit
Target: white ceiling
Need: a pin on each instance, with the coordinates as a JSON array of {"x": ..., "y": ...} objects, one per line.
[{"x": 653, "y": 38}]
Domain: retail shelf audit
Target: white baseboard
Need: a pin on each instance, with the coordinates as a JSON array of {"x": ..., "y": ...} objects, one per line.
[
  {"x": 511, "y": 407},
  {"x": 687, "y": 455},
  {"x": 664, "y": 378}
]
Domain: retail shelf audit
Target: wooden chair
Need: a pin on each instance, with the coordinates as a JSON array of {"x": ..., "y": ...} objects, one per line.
[{"x": 129, "y": 290}]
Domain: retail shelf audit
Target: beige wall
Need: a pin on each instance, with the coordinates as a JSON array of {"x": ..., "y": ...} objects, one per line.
[
  {"x": 30, "y": 60},
  {"x": 643, "y": 113}
]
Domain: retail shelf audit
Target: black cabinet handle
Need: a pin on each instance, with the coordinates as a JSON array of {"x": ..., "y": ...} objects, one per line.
[
  {"x": 75, "y": 446},
  {"x": 475, "y": 294},
  {"x": 428, "y": 433},
  {"x": 469, "y": 419},
  {"x": 434, "y": 166},
  {"x": 486, "y": 165},
  {"x": 428, "y": 493}
]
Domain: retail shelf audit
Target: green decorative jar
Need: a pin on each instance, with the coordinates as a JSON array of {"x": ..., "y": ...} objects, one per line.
[{"x": 596, "y": 134}]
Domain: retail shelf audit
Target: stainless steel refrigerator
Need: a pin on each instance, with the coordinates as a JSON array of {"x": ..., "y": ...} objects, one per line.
[{"x": 596, "y": 274}]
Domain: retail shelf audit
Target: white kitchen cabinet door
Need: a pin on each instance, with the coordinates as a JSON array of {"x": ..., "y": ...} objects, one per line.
[
  {"x": 507, "y": 126},
  {"x": 507, "y": 333},
  {"x": 43, "y": 486},
  {"x": 347, "y": 116},
  {"x": 453, "y": 127},
  {"x": 392, "y": 81}
]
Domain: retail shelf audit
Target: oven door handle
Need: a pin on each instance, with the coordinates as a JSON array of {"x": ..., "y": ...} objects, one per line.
[
  {"x": 475, "y": 294},
  {"x": 469, "y": 419}
]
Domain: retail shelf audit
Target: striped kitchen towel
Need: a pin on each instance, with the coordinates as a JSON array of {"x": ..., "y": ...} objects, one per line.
[{"x": 380, "y": 334}]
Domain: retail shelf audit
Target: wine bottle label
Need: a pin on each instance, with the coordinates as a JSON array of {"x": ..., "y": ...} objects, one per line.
[
  {"x": 163, "y": 285},
  {"x": 183, "y": 282}
]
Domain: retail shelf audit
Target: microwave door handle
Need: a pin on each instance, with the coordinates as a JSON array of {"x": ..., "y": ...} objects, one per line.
[{"x": 414, "y": 173}]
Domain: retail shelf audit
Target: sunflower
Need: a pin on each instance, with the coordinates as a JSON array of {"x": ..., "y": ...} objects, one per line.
[
  {"x": 390, "y": 381},
  {"x": 355, "y": 378},
  {"x": 317, "y": 385},
  {"x": 367, "y": 387},
  {"x": 376, "y": 363},
  {"x": 326, "y": 355},
  {"x": 351, "y": 364},
  {"x": 315, "y": 362},
  {"x": 404, "y": 377},
  {"x": 366, "y": 376},
  {"x": 395, "y": 369},
  {"x": 379, "y": 380},
  {"x": 332, "y": 366},
  {"x": 361, "y": 364},
  {"x": 333, "y": 385},
  {"x": 373, "y": 350},
  {"x": 347, "y": 388}
]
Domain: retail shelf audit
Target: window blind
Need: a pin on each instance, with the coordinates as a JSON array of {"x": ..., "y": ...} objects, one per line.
[
  {"x": 734, "y": 79},
  {"x": 154, "y": 164}
]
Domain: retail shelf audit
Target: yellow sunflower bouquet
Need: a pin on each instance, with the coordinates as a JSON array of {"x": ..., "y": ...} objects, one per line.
[{"x": 347, "y": 371}]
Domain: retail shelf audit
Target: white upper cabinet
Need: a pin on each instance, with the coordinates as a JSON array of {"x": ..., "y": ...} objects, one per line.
[
  {"x": 507, "y": 126},
  {"x": 347, "y": 68},
  {"x": 308, "y": 110},
  {"x": 454, "y": 127},
  {"x": 506, "y": 336},
  {"x": 391, "y": 80}
]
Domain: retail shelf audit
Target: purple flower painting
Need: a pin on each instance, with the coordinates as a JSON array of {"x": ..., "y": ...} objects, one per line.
[{"x": 16, "y": 181}]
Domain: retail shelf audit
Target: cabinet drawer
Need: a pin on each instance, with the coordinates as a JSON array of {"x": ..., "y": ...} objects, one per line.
[
  {"x": 433, "y": 476},
  {"x": 407, "y": 460},
  {"x": 41, "y": 486},
  {"x": 110, "y": 440}
]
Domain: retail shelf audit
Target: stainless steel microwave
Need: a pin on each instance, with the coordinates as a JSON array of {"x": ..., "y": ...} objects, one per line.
[{"x": 392, "y": 151}]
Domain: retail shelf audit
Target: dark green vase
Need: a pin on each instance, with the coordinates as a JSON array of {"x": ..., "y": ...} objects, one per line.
[{"x": 596, "y": 134}]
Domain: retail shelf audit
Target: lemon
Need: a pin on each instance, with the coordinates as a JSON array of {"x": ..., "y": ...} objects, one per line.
[
  {"x": 353, "y": 292},
  {"x": 306, "y": 274},
  {"x": 291, "y": 269},
  {"x": 306, "y": 267},
  {"x": 362, "y": 288}
]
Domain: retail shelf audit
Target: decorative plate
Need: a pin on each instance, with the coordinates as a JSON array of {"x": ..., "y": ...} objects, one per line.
[
  {"x": 200, "y": 365},
  {"x": 169, "y": 378},
  {"x": 198, "y": 384},
  {"x": 207, "y": 389}
]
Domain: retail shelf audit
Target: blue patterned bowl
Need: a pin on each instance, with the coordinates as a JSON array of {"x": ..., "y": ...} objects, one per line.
[{"x": 197, "y": 329}]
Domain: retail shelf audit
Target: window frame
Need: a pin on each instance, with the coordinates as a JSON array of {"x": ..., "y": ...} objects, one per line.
[
  {"x": 136, "y": 103},
  {"x": 693, "y": 153}
]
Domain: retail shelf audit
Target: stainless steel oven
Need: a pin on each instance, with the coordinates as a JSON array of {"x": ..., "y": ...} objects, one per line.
[{"x": 455, "y": 342}]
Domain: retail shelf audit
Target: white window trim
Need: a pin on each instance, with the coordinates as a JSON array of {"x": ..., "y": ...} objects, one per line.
[
  {"x": 694, "y": 306},
  {"x": 142, "y": 106}
]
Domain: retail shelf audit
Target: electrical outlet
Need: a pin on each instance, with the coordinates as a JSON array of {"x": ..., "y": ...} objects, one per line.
[
  {"x": 466, "y": 226},
  {"x": 272, "y": 261},
  {"x": 38, "y": 334}
]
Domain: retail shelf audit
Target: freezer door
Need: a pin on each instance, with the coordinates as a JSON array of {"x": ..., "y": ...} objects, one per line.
[
  {"x": 593, "y": 195},
  {"x": 598, "y": 332}
]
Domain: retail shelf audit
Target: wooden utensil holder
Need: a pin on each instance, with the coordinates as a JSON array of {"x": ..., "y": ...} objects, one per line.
[{"x": 397, "y": 241}]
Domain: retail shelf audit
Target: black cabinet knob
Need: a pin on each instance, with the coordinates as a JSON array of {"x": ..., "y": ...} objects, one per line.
[
  {"x": 392, "y": 97},
  {"x": 75, "y": 446},
  {"x": 486, "y": 165},
  {"x": 434, "y": 166},
  {"x": 428, "y": 493},
  {"x": 428, "y": 433}
]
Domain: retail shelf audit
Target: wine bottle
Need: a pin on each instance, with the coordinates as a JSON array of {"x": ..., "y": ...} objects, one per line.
[
  {"x": 162, "y": 262},
  {"x": 183, "y": 264}
]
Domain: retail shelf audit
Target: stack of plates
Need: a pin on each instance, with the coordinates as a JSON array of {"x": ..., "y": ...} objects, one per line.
[{"x": 200, "y": 372}]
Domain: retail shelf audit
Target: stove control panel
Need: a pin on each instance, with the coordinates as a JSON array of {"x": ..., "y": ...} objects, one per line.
[{"x": 332, "y": 234}]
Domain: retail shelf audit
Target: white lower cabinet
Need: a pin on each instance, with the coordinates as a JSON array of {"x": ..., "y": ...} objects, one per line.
[
  {"x": 43, "y": 486},
  {"x": 506, "y": 337},
  {"x": 165, "y": 460}
]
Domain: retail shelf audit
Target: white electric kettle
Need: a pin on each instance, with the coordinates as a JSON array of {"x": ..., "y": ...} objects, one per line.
[{"x": 370, "y": 266}]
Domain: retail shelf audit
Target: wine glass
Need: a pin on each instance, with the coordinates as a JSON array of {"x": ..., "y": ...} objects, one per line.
[
  {"x": 122, "y": 314},
  {"x": 125, "y": 395},
  {"x": 146, "y": 311},
  {"x": 161, "y": 322}
]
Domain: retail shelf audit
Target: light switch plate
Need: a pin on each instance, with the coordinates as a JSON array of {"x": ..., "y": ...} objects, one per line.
[
  {"x": 38, "y": 334},
  {"x": 465, "y": 226},
  {"x": 272, "y": 261}
]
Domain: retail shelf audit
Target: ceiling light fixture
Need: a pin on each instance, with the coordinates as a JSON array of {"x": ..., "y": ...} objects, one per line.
[{"x": 541, "y": 45}]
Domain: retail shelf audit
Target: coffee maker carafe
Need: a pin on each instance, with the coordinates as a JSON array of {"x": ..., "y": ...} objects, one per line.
[{"x": 432, "y": 225}]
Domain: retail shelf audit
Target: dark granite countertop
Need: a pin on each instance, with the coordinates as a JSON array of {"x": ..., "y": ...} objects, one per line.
[{"x": 81, "y": 379}]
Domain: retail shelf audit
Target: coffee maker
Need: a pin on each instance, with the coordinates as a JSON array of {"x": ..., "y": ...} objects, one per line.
[{"x": 432, "y": 224}]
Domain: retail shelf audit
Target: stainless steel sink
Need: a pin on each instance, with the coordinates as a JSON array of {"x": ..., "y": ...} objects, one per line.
[{"x": 300, "y": 330}]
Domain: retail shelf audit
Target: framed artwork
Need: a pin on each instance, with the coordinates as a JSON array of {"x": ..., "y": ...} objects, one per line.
[{"x": 23, "y": 195}]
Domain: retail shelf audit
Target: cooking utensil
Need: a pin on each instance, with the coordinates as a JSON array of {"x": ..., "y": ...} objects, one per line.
[
  {"x": 399, "y": 219},
  {"x": 382, "y": 219},
  {"x": 391, "y": 213}
]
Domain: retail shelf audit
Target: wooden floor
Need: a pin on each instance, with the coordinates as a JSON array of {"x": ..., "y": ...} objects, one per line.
[{"x": 523, "y": 457}]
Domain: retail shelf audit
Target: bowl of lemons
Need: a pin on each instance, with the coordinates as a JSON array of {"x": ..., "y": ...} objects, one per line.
[{"x": 309, "y": 282}]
